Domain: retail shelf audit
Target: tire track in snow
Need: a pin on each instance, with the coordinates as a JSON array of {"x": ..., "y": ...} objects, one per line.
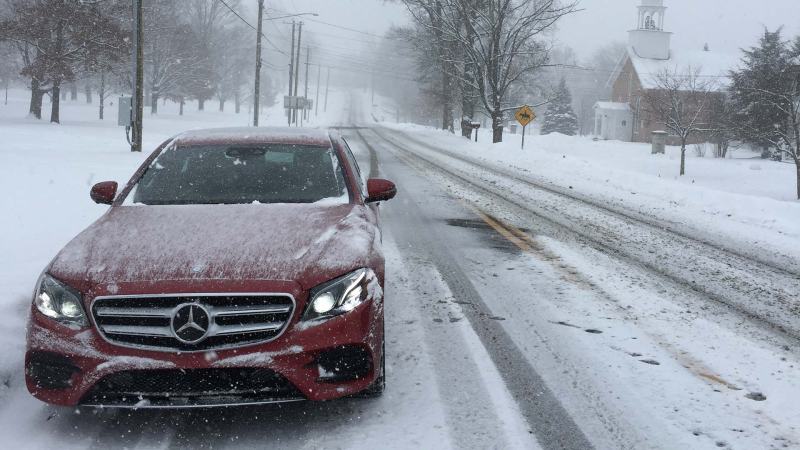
[
  {"x": 776, "y": 308},
  {"x": 662, "y": 225},
  {"x": 552, "y": 425}
]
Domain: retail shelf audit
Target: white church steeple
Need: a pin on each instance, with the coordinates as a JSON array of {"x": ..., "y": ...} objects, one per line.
[{"x": 649, "y": 40}]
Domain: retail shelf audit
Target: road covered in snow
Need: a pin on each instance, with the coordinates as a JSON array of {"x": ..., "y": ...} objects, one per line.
[
  {"x": 521, "y": 313},
  {"x": 649, "y": 337}
]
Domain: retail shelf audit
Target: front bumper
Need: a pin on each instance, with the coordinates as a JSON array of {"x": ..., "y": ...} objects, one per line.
[{"x": 333, "y": 359}]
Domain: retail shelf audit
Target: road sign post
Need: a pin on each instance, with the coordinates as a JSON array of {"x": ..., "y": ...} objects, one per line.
[{"x": 525, "y": 116}]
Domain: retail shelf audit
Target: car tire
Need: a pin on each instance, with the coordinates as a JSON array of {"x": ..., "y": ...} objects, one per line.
[{"x": 376, "y": 389}]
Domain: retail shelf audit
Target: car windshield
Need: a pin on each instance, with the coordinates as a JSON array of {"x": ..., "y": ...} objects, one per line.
[{"x": 233, "y": 174}]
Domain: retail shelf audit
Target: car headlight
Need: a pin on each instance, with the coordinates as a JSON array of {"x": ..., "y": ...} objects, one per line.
[
  {"x": 339, "y": 296},
  {"x": 59, "y": 302}
]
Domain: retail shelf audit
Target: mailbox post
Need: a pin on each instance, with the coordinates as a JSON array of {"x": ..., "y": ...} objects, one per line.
[
  {"x": 475, "y": 126},
  {"x": 659, "y": 142}
]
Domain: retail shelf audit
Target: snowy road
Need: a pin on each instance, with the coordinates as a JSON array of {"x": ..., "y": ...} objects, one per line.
[{"x": 644, "y": 336}]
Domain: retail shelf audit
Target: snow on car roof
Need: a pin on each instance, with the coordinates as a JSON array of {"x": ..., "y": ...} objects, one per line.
[{"x": 255, "y": 135}]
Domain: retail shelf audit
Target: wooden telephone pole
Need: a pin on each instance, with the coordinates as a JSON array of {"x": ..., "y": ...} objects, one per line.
[
  {"x": 297, "y": 68},
  {"x": 291, "y": 74},
  {"x": 316, "y": 98},
  {"x": 138, "y": 76},
  {"x": 257, "y": 88},
  {"x": 327, "y": 87}
]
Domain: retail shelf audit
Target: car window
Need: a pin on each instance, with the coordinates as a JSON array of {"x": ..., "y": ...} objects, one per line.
[
  {"x": 360, "y": 180},
  {"x": 208, "y": 174}
]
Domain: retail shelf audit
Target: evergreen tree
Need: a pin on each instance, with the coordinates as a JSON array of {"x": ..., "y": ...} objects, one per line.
[
  {"x": 766, "y": 93},
  {"x": 560, "y": 118},
  {"x": 766, "y": 68}
]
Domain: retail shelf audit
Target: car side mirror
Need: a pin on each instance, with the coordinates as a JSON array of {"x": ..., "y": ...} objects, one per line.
[
  {"x": 104, "y": 192},
  {"x": 380, "y": 190}
]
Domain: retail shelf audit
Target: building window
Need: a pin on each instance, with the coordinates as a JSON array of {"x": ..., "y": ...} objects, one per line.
[{"x": 624, "y": 123}]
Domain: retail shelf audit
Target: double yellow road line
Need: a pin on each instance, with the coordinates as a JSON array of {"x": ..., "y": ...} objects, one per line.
[{"x": 508, "y": 231}]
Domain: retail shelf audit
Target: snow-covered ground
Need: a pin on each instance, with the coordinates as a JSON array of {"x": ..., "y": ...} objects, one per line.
[
  {"x": 46, "y": 171},
  {"x": 653, "y": 361},
  {"x": 637, "y": 361},
  {"x": 742, "y": 201}
]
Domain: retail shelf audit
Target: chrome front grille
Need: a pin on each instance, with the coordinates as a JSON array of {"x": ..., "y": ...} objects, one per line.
[{"x": 146, "y": 321}]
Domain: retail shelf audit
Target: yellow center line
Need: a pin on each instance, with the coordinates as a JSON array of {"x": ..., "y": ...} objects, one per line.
[
  {"x": 511, "y": 233},
  {"x": 527, "y": 244}
]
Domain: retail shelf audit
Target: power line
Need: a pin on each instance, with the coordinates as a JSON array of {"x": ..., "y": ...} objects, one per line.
[
  {"x": 238, "y": 15},
  {"x": 352, "y": 30},
  {"x": 279, "y": 50}
]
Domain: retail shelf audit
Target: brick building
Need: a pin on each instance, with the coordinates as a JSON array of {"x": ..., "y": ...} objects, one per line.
[{"x": 624, "y": 117}]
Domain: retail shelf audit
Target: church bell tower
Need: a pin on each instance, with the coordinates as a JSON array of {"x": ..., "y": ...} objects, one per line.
[{"x": 649, "y": 40}]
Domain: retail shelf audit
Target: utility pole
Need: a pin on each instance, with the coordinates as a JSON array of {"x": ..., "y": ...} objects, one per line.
[
  {"x": 327, "y": 86},
  {"x": 257, "y": 89},
  {"x": 305, "y": 94},
  {"x": 138, "y": 76},
  {"x": 291, "y": 74},
  {"x": 297, "y": 68},
  {"x": 316, "y": 99}
]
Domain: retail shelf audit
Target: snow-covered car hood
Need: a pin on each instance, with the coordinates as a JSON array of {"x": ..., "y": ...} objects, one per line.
[{"x": 306, "y": 243}]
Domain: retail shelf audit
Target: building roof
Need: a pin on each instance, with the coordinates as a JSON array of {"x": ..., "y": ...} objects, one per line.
[
  {"x": 616, "y": 106},
  {"x": 711, "y": 64}
]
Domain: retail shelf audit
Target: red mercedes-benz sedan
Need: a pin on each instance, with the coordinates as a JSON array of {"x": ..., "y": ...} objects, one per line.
[{"x": 238, "y": 266}]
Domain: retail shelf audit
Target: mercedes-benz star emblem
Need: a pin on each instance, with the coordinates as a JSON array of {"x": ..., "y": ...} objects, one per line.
[{"x": 190, "y": 323}]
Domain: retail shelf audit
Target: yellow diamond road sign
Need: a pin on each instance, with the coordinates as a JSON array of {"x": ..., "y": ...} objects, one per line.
[{"x": 525, "y": 115}]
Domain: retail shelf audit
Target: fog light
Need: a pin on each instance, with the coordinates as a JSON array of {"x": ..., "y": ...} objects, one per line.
[
  {"x": 324, "y": 303},
  {"x": 50, "y": 370},
  {"x": 345, "y": 363}
]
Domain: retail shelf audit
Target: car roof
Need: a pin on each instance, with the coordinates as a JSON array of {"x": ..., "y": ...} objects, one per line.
[{"x": 255, "y": 135}]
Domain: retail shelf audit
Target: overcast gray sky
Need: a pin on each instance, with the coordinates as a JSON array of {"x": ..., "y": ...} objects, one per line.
[{"x": 726, "y": 25}]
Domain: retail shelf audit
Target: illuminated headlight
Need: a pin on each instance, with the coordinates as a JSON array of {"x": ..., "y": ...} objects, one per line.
[
  {"x": 57, "y": 301},
  {"x": 339, "y": 296}
]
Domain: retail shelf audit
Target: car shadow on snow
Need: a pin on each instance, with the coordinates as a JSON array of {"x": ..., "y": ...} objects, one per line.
[{"x": 290, "y": 424}]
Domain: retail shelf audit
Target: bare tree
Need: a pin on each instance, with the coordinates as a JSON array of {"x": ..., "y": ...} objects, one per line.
[
  {"x": 436, "y": 17},
  {"x": 171, "y": 55},
  {"x": 210, "y": 21},
  {"x": 57, "y": 38},
  {"x": 681, "y": 101},
  {"x": 722, "y": 124},
  {"x": 10, "y": 68},
  {"x": 501, "y": 39},
  {"x": 231, "y": 57}
]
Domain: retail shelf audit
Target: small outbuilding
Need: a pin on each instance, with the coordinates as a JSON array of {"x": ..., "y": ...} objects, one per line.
[{"x": 612, "y": 121}]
